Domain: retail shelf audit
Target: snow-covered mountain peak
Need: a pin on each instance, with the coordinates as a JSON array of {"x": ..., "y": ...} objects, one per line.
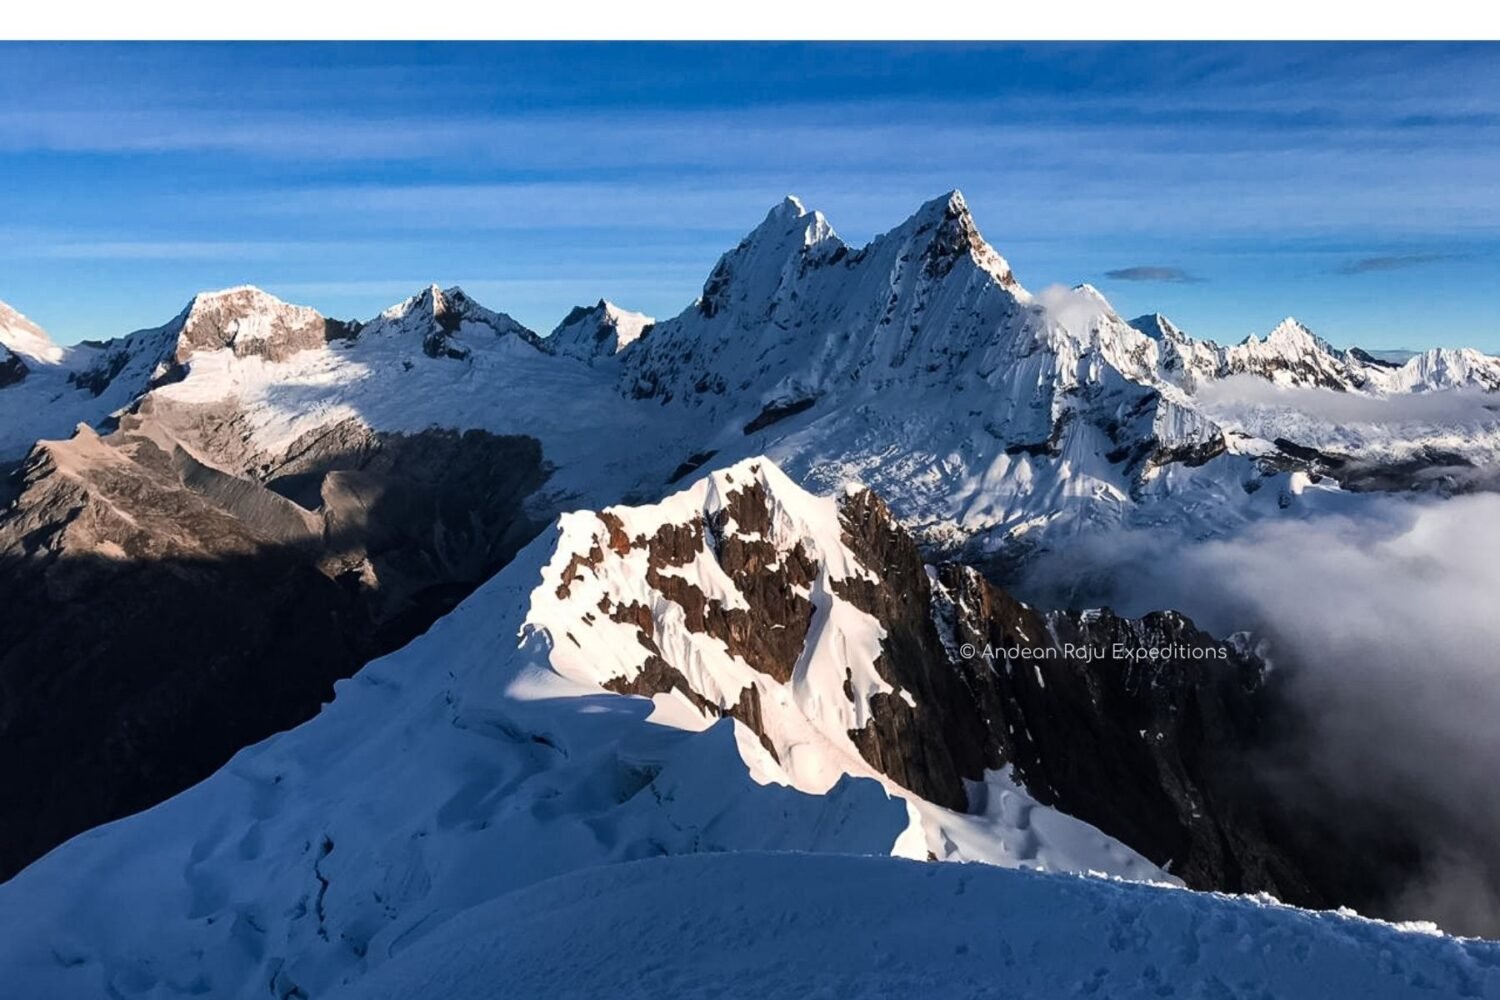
[
  {"x": 945, "y": 231},
  {"x": 793, "y": 313},
  {"x": 1292, "y": 355},
  {"x": 1292, "y": 333},
  {"x": 1159, "y": 328},
  {"x": 733, "y": 593},
  {"x": 1092, "y": 294},
  {"x": 248, "y": 321},
  {"x": 790, "y": 207},
  {"x": 425, "y": 304},
  {"x": 767, "y": 265},
  {"x": 598, "y": 331},
  {"x": 790, "y": 215},
  {"x": 946, "y": 208},
  {"x": 1290, "y": 337},
  {"x": 239, "y": 302},
  {"x": 1443, "y": 368},
  {"x": 933, "y": 211},
  {"x": 448, "y": 323},
  {"x": 250, "y": 296},
  {"x": 22, "y": 337},
  {"x": 809, "y": 619}
]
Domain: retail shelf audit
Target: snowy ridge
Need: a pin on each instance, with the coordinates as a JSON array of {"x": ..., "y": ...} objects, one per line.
[
  {"x": 881, "y": 927},
  {"x": 1445, "y": 368},
  {"x": 794, "y": 311},
  {"x": 665, "y": 600},
  {"x": 21, "y": 336},
  {"x": 54, "y": 389},
  {"x": 487, "y": 755},
  {"x": 1292, "y": 356}
]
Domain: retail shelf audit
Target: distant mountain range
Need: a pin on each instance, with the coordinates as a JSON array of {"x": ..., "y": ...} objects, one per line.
[{"x": 916, "y": 363}]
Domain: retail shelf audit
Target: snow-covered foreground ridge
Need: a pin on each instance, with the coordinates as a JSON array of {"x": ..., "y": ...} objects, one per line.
[
  {"x": 493, "y": 752},
  {"x": 789, "y": 926},
  {"x": 622, "y": 691}
]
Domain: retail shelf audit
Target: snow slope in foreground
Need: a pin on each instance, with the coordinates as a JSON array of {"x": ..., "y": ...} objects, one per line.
[
  {"x": 482, "y": 758},
  {"x": 783, "y": 925},
  {"x": 487, "y": 756}
]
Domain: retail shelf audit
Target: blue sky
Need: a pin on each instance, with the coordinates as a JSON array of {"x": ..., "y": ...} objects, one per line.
[{"x": 1356, "y": 187}]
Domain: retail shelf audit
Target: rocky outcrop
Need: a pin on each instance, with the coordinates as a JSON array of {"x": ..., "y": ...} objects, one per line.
[
  {"x": 162, "y": 613},
  {"x": 933, "y": 745},
  {"x": 412, "y": 522},
  {"x": 1146, "y": 728},
  {"x": 956, "y": 236},
  {"x": 148, "y": 635},
  {"x": 770, "y": 630},
  {"x": 250, "y": 322},
  {"x": 1149, "y": 729},
  {"x": 1145, "y": 750}
]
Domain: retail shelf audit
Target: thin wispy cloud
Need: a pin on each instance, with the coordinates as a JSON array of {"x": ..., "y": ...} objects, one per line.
[
  {"x": 1380, "y": 619},
  {"x": 1395, "y": 262},
  {"x": 173, "y": 250},
  {"x": 1153, "y": 273},
  {"x": 157, "y": 167}
]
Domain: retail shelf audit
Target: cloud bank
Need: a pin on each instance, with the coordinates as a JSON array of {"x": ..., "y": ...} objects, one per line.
[
  {"x": 1388, "y": 427},
  {"x": 1385, "y": 627}
]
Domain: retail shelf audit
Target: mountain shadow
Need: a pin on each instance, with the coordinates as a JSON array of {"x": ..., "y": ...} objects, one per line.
[{"x": 161, "y": 614}]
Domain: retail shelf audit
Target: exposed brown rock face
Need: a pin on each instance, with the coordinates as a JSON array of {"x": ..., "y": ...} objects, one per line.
[
  {"x": 251, "y": 322},
  {"x": 148, "y": 635},
  {"x": 1157, "y": 753},
  {"x": 770, "y": 634},
  {"x": 1164, "y": 754},
  {"x": 658, "y": 677},
  {"x": 955, "y": 235},
  {"x": 160, "y": 614},
  {"x": 930, "y": 748},
  {"x": 1152, "y": 753}
]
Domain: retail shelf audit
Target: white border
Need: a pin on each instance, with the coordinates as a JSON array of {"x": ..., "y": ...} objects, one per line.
[{"x": 957, "y": 20}]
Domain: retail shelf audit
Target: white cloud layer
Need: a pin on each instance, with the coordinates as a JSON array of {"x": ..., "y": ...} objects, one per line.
[
  {"x": 1386, "y": 625},
  {"x": 1385, "y": 427}
]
